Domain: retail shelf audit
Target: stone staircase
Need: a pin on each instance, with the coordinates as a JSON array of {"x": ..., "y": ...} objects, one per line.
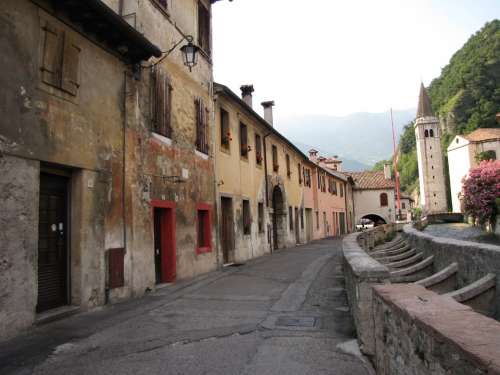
[{"x": 409, "y": 265}]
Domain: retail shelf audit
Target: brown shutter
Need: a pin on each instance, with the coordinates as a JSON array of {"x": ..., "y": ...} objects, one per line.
[
  {"x": 71, "y": 66},
  {"x": 161, "y": 103},
  {"x": 116, "y": 268},
  {"x": 52, "y": 55}
]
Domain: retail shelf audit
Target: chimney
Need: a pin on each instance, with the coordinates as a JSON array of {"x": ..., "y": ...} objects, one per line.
[
  {"x": 387, "y": 171},
  {"x": 313, "y": 155},
  {"x": 246, "y": 94},
  {"x": 268, "y": 111}
]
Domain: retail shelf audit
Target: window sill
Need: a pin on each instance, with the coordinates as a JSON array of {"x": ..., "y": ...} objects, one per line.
[
  {"x": 161, "y": 8},
  {"x": 203, "y": 250},
  {"x": 162, "y": 138},
  {"x": 201, "y": 154}
]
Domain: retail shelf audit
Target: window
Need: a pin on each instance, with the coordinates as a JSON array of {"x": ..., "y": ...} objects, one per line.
[
  {"x": 334, "y": 187},
  {"x": 162, "y": 3},
  {"x": 288, "y": 171},
  {"x": 260, "y": 210},
  {"x": 317, "y": 220},
  {"x": 431, "y": 133},
  {"x": 225, "y": 133},
  {"x": 275, "y": 159},
  {"x": 341, "y": 189},
  {"x": 383, "y": 200},
  {"x": 403, "y": 205},
  {"x": 307, "y": 177},
  {"x": 161, "y": 103},
  {"x": 299, "y": 170},
  {"x": 203, "y": 27},
  {"x": 204, "y": 229},
  {"x": 258, "y": 149},
  {"x": 243, "y": 141},
  {"x": 301, "y": 218},
  {"x": 290, "y": 217},
  {"x": 201, "y": 126},
  {"x": 60, "y": 61},
  {"x": 247, "y": 217},
  {"x": 426, "y": 133}
]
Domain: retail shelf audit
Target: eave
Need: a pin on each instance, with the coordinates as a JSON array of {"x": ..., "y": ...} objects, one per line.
[{"x": 95, "y": 19}]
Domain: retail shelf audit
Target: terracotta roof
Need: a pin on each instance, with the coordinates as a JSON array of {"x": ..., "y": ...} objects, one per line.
[
  {"x": 483, "y": 134},
  {"x": 371, "y": 180},
  {"x": 424, "y": 103}
]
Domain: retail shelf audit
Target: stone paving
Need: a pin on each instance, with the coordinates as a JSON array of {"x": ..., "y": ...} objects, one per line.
[
  {"x": 462, "y": 231},
  {"x": 281, "y": 314}
]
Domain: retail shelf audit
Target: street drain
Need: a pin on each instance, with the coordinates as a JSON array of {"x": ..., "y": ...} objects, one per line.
[{"x": 286, "y": 321}]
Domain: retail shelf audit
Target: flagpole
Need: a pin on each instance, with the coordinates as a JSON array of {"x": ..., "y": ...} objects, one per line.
[{"x": 395, "y": 162}]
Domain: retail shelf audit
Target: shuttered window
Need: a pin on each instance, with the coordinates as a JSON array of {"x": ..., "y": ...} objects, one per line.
[
  {"x": 201, "y": 126},
  {"x": 243, "y": 140},
  {"x": 161, "y": 102},
  {"x": 288, "y": 171},
  {"x": 299, "y": 170},
  {"x": 116, "y": 269},
  {"x": 258, "y": 149},
  {"x": 383, "y": 200},
  {"x": 203, "y": 27},
  {"x": 276, "y": 165},
  {"x": 290, "y": 217},
  {"x": 225, "y": 133},
  {"x": 260, "y": 209},
  {"x": 61, "y": 59}
]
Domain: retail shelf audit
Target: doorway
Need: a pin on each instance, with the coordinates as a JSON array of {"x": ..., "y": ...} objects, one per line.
[
  {"x": 342, "y": 223},
  {"x": 297, "y": 228},
  {"x": 309, "y": 224},
  {"x": 227, "y": 230},
  {"x": 278, "y": 214},
  {"x": 165, "y": 258},
  {"x": 53, "y": 255}
]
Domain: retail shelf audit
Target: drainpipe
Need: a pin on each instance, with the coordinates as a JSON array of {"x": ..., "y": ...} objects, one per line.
[{"x": 265, "y": 181}]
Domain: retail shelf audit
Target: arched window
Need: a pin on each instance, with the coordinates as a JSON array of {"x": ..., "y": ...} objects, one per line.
[
  {"x": 426, "y": 133},
  {"x": 431, "y": 133},
  {"x": 383, "y": 200}
]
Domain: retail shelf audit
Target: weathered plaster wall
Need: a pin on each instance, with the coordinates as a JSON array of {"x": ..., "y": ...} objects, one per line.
[
  {"x": 18, "y": 240},
  {"x": 367, "y": 202}
]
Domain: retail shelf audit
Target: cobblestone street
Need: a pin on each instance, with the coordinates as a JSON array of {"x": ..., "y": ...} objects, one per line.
[{"x": 281, "y": 314}]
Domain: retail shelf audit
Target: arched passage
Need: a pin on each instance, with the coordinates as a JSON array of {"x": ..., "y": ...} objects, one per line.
[
  {"x": 278, "y": 217},
  {"x": 376, "y": 219}
]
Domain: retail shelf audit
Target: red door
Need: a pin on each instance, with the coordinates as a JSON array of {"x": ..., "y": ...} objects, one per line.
[{"x": 164, "y": 241}]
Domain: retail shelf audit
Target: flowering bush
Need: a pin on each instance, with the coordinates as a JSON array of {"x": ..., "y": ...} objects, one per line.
[{"x": 481, "y": 189}]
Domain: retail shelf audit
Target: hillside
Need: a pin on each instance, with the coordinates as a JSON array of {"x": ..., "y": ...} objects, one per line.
[
  {"x": 466, "y": 96},
  {"x": 360, "y": 139}
]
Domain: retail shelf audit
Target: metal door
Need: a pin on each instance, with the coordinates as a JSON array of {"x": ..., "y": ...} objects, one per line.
[{"x": 52, "y": 242}]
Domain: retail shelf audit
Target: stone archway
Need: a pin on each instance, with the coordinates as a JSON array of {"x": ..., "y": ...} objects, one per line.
[
  {"x": 278, "y": 218},
  {"x": 376, "y": 219}
]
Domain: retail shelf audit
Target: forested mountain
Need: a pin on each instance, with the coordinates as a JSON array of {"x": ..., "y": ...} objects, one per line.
[{"x": 466, "y": 96}]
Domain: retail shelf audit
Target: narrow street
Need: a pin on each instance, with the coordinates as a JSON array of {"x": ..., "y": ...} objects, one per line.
[{"x": 280, "y": 314}]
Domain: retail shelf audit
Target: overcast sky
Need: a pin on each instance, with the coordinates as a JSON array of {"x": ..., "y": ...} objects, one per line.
[{"x": 335, "y": 57}]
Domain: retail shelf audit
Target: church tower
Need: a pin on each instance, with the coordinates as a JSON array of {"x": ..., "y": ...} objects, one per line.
[{"x": 430, "y": 157}]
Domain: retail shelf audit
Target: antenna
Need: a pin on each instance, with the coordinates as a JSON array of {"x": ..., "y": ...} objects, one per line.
[{"x": 395, "y": 161}]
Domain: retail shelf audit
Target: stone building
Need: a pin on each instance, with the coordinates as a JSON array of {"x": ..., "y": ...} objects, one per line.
[
  {"x": 374, "y": 196},
  {"x": 105, "y": 153},
  {"x": 465, "y": 152},
  {"x": 429, "y": 157}
]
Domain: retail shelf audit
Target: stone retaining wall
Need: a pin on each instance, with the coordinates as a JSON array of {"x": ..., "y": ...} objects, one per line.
[
  {"x": 474, "y": 259},
  {"x": 362, "y": 272},
  {"x": 418, "y": 332}
]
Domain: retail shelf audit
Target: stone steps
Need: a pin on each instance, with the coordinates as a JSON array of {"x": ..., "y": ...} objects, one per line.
[
  {"x": 443, "y": 281},
  {"x": 386, "y": 253},
  {"x": 479, "y": 295},
  {"x": 394, "y": 258},
  {"x": 406, "y": 262},
  {"x": 414, "y": 272}
]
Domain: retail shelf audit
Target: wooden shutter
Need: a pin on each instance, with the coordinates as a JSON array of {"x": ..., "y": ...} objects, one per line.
[
  {"x": 203, "y": 27},
  {"x": 52, "y": 55},
  {"x": 201, "y": 126},
  {"x": 71, "y": 66},
  {"x": 161, "y": 103}
]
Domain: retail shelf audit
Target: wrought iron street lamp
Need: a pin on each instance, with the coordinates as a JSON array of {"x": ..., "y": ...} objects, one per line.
[{"x": 189, "y": 52}]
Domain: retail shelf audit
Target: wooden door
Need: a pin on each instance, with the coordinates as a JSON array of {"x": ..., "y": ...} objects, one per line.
[
  {"x": 342, "y": 223},
  {"x": 227, "y": 230},
  {"x": 53, "y": 261},
  {"x": 309, "y": 224},
  {"x": 297, "y": 228},
  {"x": 164, "y": 245}
]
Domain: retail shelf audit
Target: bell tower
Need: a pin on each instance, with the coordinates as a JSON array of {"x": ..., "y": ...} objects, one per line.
[{"x": 430, "y": 157}]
